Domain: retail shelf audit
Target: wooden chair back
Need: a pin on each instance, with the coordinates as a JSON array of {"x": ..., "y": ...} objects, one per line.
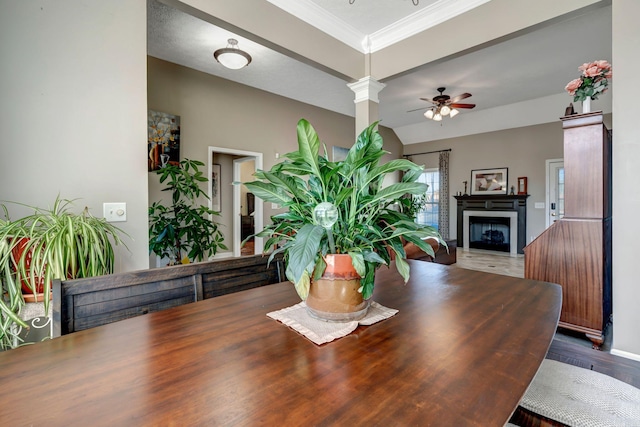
[{"x": 86, "y": 303}]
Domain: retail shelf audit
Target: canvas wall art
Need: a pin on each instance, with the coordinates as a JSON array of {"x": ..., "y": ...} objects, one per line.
[
  {"x": 163, "y": 143},
  {"x": 489, "y": 181}
]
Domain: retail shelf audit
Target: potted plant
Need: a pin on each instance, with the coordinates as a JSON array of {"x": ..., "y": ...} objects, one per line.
[
  {"x": 45, "y": 245},
  {"x": 183, "y": 225},
  {"x": 337, "y": 210}
]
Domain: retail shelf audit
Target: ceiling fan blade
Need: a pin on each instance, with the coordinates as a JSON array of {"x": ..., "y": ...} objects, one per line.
[
  {"x": 462, "y": 105},
  {"x": 428, "y": 100},
  {"x": 460, "y": 97},
  {"x": 416, "y": 109}
]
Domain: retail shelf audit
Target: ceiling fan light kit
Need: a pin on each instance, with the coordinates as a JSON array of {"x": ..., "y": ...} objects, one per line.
[
  {"x": 231, "y": 56},
  {"x": 444, "y": 105}
]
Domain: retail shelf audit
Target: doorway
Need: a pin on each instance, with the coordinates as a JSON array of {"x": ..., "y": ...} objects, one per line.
[
  {"x": 555, "y": 190},
  {"x": 244, "y": 203},
  {"x": 228, "y": 168}
]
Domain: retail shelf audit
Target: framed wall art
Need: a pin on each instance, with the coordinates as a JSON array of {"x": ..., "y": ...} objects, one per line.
[
  {"x": 163, "y": 140},
  {"x": 489, "y": 181}
]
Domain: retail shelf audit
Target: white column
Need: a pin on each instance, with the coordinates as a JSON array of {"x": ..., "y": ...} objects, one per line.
[{"x": 366, "y": 90}]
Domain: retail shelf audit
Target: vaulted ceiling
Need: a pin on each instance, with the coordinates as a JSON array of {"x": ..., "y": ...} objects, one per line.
[{"x": 516, "y": 80}]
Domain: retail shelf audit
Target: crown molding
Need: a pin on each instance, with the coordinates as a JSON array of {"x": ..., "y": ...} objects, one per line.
[
  {"x": 430, "y": 16},
  {"x": 318, "y": 17},
  {"x": 424, "y": 19}
]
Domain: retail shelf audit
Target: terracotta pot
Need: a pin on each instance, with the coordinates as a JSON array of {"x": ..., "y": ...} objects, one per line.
[
  {"x": 16, "y": 254},
  {"x": 32, "y": 298},
  {"x": 335, "y": 297}
]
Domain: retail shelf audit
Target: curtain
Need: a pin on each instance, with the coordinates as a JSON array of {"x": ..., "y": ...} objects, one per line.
[{"x": 443, "y": 213}]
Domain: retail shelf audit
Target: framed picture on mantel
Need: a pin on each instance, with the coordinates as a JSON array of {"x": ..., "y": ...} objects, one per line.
[
  {"x": 489, "y": 181},
  {"x": 522, "y": 185}
]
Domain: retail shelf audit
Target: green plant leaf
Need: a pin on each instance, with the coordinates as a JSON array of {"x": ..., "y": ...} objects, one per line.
[
  {"x": 268, "y": 192},
  {"x": 308, "y": 145},
  {"x": 303, "y": 251}
]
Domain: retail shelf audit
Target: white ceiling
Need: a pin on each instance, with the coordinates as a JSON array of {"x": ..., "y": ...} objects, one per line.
[{"x": 516, "y": 82}]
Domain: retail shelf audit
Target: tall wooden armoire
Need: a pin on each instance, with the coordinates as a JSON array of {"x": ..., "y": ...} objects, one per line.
[{"x": 575, "y": 251}]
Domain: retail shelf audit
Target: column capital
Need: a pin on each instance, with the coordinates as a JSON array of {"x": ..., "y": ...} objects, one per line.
[{"x": 366, "y": 89}]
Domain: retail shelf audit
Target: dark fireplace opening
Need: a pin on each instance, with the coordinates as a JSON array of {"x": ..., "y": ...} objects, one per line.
[{"x": 489, "y": 233}]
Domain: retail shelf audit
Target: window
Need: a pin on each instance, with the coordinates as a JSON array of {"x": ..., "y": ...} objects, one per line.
[{"x": 429, "y": 215}]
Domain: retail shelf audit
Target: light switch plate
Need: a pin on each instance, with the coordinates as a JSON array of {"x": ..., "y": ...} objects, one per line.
[
  {"x": 114, "y": 212},
  {"x": 539, "y": 205}
]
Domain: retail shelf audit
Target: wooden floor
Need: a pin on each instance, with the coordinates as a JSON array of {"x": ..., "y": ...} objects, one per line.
[{"x": 248, "y": 248}]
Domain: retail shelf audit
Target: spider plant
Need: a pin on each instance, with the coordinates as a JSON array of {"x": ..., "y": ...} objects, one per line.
[{"x": 50, "y": 244}]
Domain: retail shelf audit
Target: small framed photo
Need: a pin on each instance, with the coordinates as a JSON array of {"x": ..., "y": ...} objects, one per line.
[
  {"x": 522, "y": 185},
  {"x": 489, "y": 181}
]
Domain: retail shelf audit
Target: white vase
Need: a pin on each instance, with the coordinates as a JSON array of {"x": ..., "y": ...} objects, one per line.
[{"x": 586, "y": 106}]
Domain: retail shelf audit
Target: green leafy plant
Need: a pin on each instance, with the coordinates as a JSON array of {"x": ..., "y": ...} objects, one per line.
[
  {"x": 369, "y": 224},
  {"x": 183, "y": 226},
  {"x": 49, "y": 244},
  {"x": 412, "y": 205}
]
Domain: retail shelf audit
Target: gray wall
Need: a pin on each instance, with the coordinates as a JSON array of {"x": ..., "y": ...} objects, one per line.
[
  {"x": 626, "y": 197},
  {"x": 73, "y": 110}
]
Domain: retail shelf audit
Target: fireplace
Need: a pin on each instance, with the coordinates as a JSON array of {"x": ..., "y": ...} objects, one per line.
[
  {"x": 490, "y": 230},
  {"x": 491, "y": 233},
  {"x": 495, "y": 223}
]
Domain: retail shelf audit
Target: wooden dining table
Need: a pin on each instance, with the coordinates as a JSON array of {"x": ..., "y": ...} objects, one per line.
[{"x": 462, "y": 350}]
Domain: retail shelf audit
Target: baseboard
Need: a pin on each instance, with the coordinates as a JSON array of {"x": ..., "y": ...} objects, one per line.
[{"x": 625, "y": 354}]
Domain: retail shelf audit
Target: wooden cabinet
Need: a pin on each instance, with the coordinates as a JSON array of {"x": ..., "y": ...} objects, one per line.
[{"x": 575, "y": 251}]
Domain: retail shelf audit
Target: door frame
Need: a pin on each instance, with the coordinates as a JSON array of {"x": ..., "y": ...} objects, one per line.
[
  {"x": 259, "y": 207},
  {"x": 547, "y": 209}
]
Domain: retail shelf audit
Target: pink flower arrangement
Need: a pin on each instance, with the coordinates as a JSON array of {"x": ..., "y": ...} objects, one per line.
[{"x": 593, "y": 81}]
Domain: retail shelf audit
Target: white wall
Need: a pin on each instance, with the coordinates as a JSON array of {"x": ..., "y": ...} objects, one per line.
[
  {"x": 626, "y": 197},
  {"x": 73, "y": 109}
]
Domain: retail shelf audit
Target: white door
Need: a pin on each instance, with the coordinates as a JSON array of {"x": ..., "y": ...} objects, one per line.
[
  {"x": 555, "y": 190},
  {"x": 239, "y": 202}
]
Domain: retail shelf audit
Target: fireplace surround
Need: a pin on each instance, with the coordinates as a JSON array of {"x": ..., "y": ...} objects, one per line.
[{"x": 495, "y": 212}]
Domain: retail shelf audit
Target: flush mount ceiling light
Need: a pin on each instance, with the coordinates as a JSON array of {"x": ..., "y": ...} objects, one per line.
[{"x": 231, "y": 56}]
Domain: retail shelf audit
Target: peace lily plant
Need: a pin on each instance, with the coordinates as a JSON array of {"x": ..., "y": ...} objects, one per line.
[{"x": 340, "y": 207}]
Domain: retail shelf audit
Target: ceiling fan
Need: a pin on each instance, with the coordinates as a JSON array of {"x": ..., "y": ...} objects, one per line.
[{"x": 444, "y": 105}]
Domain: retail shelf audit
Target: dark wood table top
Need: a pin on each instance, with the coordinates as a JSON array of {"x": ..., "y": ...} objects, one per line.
[{"x": 461, "y": 351}]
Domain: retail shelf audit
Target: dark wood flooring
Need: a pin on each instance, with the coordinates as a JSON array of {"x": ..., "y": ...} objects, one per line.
[
  {"x": 247, "y": 248},
  {"x": 624, "y": 369}
]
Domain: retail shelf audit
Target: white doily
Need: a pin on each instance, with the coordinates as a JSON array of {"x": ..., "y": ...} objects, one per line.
[{"x": 297, "y": 318}]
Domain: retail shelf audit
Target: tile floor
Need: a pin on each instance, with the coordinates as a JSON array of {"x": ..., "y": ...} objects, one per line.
[
  {"x": 496, "y": 263},
  {"x": 490, "y": 262}
]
